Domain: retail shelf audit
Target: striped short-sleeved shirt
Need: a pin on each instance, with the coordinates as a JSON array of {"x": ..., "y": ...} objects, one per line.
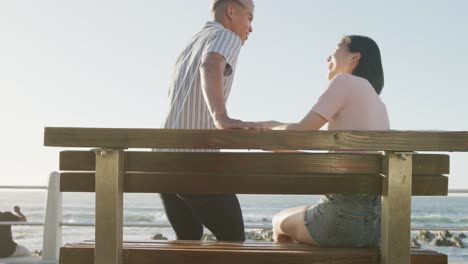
[{"x": 187, "y": 107}]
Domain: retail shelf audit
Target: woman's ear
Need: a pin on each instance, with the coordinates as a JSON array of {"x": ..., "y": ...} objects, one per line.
[{"x": 356, "y": 57}]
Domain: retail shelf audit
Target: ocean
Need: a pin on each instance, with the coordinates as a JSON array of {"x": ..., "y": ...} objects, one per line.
[{"x": 427, "y": 212}]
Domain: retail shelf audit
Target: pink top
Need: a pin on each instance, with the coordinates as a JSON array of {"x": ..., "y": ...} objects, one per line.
[{"x": 351, "y": 103}]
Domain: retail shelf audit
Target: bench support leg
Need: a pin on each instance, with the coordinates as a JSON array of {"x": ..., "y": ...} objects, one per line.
[
  {"x": 109, "y": 206},
  {"x": 396, "y": 208}
]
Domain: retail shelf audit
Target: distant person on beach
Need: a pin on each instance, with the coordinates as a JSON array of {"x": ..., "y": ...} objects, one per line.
[
  {"x": 350, "y": 102},
  {"x": 8, "y": 248},
  {"x": 202, "y": 80}
]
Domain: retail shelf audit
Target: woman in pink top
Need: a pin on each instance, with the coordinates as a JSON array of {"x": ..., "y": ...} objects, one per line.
[{"x": 351, "y": 102}]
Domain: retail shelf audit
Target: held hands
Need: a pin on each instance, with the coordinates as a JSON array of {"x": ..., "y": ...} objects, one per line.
[
  {"x": 269, "y": 125},
  {"x": 229, "y": 123},
  {"x": 224, "y": 122}
]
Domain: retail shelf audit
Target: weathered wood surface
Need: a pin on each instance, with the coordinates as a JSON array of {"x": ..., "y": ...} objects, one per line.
[
  {"x": 253, "y": 183},
  {"x": 314, "y": 163},
  {"x": 250, "y": 139},
  {"x": 254, "y": 173},
  {"x": 221, "y": 252},
  {"x": 109, "y": 206},
  {"x": 396, "y": 209}
]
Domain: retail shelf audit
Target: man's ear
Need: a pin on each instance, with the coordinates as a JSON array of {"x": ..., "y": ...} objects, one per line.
[{"x": 230, "y": 10}]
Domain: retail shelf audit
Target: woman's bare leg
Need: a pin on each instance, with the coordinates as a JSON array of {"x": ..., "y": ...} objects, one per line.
[{"x": 288, "y": 225}]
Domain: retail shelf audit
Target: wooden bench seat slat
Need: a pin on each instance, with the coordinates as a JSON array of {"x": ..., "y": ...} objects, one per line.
[
  {"x": 166, "y": 252},
  {"x": 263, "y": 246},
  {"x": 257, "y": 183},
  {"x": 318, "y": 163},
  {"x": 245, "y": 139},
  {"x": 241, "y": 246},
  {"x": 244, "y": 245}
]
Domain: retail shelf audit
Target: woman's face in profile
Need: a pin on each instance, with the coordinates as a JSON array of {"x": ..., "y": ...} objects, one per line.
[{"x": 339, "y": 61}]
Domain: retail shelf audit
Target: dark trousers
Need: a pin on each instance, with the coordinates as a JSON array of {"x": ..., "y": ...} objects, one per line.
[{"x": 221, "y": 214}]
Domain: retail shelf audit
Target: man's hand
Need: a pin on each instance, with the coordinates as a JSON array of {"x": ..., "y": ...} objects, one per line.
[{"x": 228, "y": 123}]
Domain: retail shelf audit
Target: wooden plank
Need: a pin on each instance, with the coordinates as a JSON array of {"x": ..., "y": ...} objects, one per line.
[
  {"x": 194, "y": 256},
  {"x": 109, "y": 206},
  {"x": 83, "y": 254},
  {"x": 225, "y": 245},
  {"x": 314, "y": 163},
  {"x": 253, "y": 183},
  {"x": 232, "y": 162},
  {"x": 396, "y": 209},
  {"x": 248, "y": 245},
  {"x": 429, "y": 164},
  {"x": 429, "y": 185},
  {"x": 250, "y": 139},
  {"x": 236, "y": 246}
]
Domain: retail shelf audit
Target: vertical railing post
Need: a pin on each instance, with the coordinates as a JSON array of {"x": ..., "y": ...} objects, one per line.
[
  {"x": 52, "y": 238},
  {"x": 396, "y": 208},
  {"x": 109, "y": 206}
]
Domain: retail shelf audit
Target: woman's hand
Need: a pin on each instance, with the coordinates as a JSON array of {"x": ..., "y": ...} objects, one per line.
[{"x": 267, "y": 125}]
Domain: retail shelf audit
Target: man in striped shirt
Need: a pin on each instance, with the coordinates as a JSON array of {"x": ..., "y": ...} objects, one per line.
[{"x": 201, "y": 83}]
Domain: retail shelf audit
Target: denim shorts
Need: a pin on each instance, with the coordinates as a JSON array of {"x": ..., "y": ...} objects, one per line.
[{"x": 345, "y": 221}]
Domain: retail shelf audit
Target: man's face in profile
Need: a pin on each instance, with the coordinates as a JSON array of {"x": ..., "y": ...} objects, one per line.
[{"x": 242, "y": 17}]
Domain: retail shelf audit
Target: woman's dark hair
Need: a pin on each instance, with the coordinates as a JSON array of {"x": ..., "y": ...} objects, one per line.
[{"x": 370, "y": 64}]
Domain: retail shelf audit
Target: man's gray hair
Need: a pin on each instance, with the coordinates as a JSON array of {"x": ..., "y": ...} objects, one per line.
[{"x": 215, "y": 4}]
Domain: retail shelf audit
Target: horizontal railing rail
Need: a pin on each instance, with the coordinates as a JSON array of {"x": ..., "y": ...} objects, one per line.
[
  {"x": 166, "y": 225},
  {"x": 461, "y": 191},
  {"x": 3, "y": 223},
  {"x": 23, "y": 187},
  {"x": 40, "y": 187}
]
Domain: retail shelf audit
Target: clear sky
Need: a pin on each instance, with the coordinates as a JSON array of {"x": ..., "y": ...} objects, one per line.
[{"x": 95, "y": 63}]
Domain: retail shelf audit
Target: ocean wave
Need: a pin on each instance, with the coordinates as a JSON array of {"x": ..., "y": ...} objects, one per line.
[
  {"x": 140, "y": 218},
  {"x": 130, "y": 218},
  {"x": 431, "y": 219},
  {"x": 34, "y": 215},
  {"x": 79, "y": 218},
  {"x": 256, "y": 218}
]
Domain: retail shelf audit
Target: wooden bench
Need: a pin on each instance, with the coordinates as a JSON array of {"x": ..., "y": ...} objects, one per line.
[{"x": 110, "y": 170}]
